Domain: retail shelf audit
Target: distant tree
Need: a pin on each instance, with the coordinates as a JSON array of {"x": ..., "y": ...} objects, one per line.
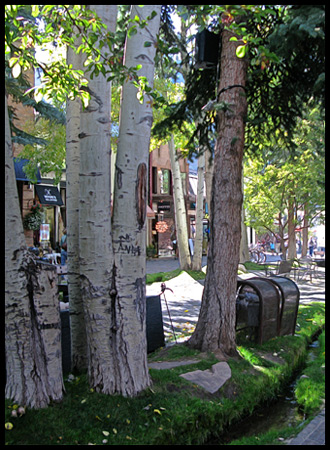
[{"x": 279, "y": 184}]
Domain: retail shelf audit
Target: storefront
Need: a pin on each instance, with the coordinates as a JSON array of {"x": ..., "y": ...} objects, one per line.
[{"x": 51, "y": 201}]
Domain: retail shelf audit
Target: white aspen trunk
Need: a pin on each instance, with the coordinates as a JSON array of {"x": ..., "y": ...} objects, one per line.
[
  {"x": 77, "y": 322},
  {"x": 95, "y": 243},
  {"x": 180, "y": 210},
  {"x": 198, "y": 245},
  {"x": 244, "y": 247},
  {"x": 32, "y": 326},
  {"x": 128, "y": 295},
  {"x": 304, "y": 249},
  {"x": 209, "y": 165}
]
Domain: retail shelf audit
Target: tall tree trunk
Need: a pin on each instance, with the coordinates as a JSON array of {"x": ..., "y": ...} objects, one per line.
[
  {"x": 209, "y": 166},
  {"x": 216, "y": 323},
  {"x": 95, "y": 243},
  {"x": 128, "y": 294},
  {"x": 292, "y": 250},
  {"x": 244, "y": 247},
  {"x": 77, "y": 321},
  {"x": 304, "y": 248},
  {"x": 198, "y": 245},
  {"x": 32, "y": 326},
  {"x": 180, "y": 210}
]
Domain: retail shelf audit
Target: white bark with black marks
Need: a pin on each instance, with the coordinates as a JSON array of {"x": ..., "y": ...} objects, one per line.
[
  {"x": 32, "y": 318},
  {"x": 129, "y": 215}
]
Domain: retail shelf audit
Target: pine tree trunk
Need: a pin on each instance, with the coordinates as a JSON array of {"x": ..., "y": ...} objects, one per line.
[
  {"x": 95, "y": 243},
  {"x": 216, "y": 323},
  {"x": 77, "y": 321},
  {"x": 180, "y": 210},
  {"x": 32, "y": 326},
  {"x": 128, "y": 294}
]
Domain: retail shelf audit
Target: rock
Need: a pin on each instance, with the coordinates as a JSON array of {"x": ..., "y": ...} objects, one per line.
[{"x": 211, "y": 379}]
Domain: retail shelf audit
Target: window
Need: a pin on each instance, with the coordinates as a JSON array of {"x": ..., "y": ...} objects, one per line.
[
  {"x": 154, "y": 180},
  {"x": 164, "y": 177}
]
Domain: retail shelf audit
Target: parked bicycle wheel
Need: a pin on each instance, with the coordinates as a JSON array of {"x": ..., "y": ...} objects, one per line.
[{"x": 254, "y": 257}]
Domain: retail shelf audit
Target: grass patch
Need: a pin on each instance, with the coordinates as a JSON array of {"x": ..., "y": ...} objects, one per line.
[
  {"x": 162, "y": 276},
  {"x": 249, "y": 265},
  {"x": 165, "y": 276},
  {"x": 310, "y": 388},
  {"x": 272, "y": 437},
  {"x": 173, "y": 411}
]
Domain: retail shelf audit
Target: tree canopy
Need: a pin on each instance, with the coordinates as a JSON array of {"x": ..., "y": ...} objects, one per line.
[
  {"x": 281, "y": 77},
  {"x": 277, "y": 181}
]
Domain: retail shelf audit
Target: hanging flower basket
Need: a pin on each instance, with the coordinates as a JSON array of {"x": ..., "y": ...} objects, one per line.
[{"x": 34, "y": 218}]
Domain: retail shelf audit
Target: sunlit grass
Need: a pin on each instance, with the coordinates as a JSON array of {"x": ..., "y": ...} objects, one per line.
[{"x": 173, "y": 411}]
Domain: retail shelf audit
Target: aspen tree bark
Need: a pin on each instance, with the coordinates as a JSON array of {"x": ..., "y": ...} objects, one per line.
[
  {"x": 128, "y": 295},
  {"x": 198, "y": 245},
  {"x": 32, "y": 325},
  {"x": 77, "y": 321},
  {"x": 215, "y": 329},
  {"x": 95, "y": 243},
  {"x": 304, "y": 249},
  {"x": 209, "y": 165},
  {"x": 244, "y": 247},
  {"x": 180, "y": 210}
]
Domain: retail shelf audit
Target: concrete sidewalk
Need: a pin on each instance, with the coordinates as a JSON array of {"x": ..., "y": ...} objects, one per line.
[{"x": 313, "y": 433}]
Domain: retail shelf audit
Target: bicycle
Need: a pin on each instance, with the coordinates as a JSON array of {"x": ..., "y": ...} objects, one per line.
[{"x": 257, "y": 255}]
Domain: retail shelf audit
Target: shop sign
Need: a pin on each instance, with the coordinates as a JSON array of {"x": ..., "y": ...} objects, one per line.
[
  {"x": 163, "y": 206},
  {"x": 48, "y": 196},
  {"x": 161, "y": 226}
]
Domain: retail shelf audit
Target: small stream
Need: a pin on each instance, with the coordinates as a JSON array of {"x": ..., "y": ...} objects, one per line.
[{"x": 278, "y": 414}]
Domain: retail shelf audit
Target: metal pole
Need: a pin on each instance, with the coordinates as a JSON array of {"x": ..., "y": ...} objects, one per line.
[{"x": 163, "y": 289}]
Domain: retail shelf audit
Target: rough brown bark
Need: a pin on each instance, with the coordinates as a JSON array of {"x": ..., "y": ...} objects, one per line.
[{"x": 216, "y": 324}]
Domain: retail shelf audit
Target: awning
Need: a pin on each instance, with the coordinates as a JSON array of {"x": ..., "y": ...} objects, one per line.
[
  {"x": 48, "y": 195},
  {"x": 19, "y": 171}
]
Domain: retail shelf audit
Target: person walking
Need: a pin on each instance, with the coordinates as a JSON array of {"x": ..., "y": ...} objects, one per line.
[
  {"x": 64, "y": 252},
  {"x": 311, "y": 246}
]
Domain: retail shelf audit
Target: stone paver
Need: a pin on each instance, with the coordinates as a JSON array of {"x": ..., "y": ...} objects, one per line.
[{"x": 211, "y": 379}]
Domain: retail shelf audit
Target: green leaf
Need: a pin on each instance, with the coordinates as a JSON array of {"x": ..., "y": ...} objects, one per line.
[
  {"x": 241, "y": 51},
  {"x": 16, "y": 70},
  {"x": 147, "y": 44},
  {"x": 35, "y": 10},
  {"x": 131, "y": 31}
]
